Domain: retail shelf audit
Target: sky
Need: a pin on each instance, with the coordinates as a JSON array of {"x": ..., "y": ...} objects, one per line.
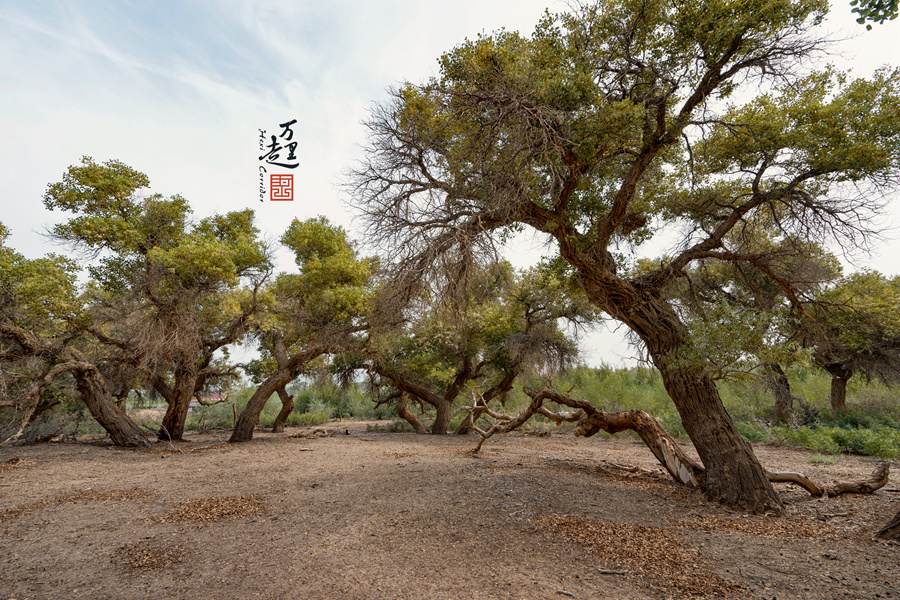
[{"x": 181, "y": 89}]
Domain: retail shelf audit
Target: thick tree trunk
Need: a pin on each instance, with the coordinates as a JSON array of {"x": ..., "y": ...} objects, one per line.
[
  {"x": 891, "y": 529},
  {"x": 179, "y": 399},
  {"x": 96, "y": 395},
  {"x": 249, "y": 417},
  {"x": 287, "y": 405},
  {"x": 781, "y": 389},
  {"x": 840, "y": 375},
  {"x": 404, "y": 413},
  {"x": 442, "y": 418},
  {"x": 733, "y": 475}
]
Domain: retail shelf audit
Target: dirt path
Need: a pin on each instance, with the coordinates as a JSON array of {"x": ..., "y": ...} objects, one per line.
[{"x": 374, "y": 515}]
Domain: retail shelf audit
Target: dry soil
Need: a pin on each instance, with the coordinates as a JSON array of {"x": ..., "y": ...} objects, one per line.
[{"x": 354, "y": 512}]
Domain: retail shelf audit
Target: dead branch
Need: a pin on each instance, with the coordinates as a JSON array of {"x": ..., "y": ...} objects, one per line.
[
  {"x": 877, "y": 480},
  {"x": 667, "y": 451}
]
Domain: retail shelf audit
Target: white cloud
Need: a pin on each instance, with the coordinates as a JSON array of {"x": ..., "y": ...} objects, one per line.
[{"x": 179, "y": 90}]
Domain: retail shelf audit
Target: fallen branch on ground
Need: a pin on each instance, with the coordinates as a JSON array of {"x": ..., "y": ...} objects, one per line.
[{"x": 667, "y": 451}]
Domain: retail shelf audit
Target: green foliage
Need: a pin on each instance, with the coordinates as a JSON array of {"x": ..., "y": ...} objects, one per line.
[
  {"x": 348, "y": 402},
  {"x": 296, "y": 419},
  {"x": 877, "y": 11},
  {"x": 148, "y": 240},
  {"x": 36, "y": 294},
  {"x": 873, "y": 430},
  {"x": 333, "y": 283}
]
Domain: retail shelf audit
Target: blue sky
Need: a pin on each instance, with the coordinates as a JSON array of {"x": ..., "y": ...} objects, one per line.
[{"x": 179, "y": 91}]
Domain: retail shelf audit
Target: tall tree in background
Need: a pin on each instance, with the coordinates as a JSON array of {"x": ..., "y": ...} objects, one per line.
[
  {"x": 167, "y": 294},
  {"x": 318, "y": 311},
  {"x": 609, "y": 124}
]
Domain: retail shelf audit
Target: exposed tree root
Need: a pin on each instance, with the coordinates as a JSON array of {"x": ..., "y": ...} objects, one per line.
[
  {"x": 891, "y": 530},
  {"x": 666, "y": 450}
]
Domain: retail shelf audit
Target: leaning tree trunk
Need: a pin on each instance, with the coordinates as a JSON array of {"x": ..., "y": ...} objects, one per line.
[
  {"x": 404, "y": 413},
  {"x": 733, "y": 476},
  {"x": 96, "y": 395},
  {"x": 249, "y": 417},
  {"x": 287, "y": 405},
  {"x": 891, "y": 530},
  {"x": 781, "y": 389}
]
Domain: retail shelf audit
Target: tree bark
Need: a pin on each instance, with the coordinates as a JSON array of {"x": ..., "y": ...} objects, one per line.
[
  {"x": 840, "y": 375},
  {"x": 443, "y": 409},
  {"x": 179, "y": 399},
  {"x": 666, "y": 450},
  {"x": 404, "y": 413},
  {"x": 287, "y": 405},
  {"x": 100, "y": 402},
  {"x": 734, "y": 476},
  {"x": 288, "y": 368},
  {"x": 781, "y": 389},
  {"x": 877, "y": 480},
  {"x": 249, "y": 417},
  {"x": 89, "y": 382},
  {"x": 891, "y": 529}
]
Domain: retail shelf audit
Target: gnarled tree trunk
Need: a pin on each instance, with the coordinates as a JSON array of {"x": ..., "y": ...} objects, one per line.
[
  {"x": 287, "y": 405},
  {"x": 443, "y": 410},
  {"x": 179, "y": 399},
  {"x": 288, "y": 368},
  {"x": 249, "y": 417},
  {"x": 96, "y": 395},
  {"x": 734, "y": 476},
  {"x": 404, "y": 413}
]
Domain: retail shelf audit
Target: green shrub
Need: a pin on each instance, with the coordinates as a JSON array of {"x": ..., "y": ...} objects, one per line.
[
  {"x": 753, "y": 432},
  {"x": 308, "y": 418}
]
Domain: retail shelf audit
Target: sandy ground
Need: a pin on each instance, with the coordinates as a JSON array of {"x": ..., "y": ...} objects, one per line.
[{"x": 365, "y": 514}]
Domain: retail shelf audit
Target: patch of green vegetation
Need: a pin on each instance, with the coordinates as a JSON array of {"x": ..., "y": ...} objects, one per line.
[
  {"x": 871, "y": 426},
  {"x": 308, "y": 418},
  {"x": 825, "y": 460}
]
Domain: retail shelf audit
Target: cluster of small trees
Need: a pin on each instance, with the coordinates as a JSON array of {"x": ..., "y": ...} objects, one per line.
[
  {"x": 612, "y": 123},
  {"x": 167, "y": 297}
]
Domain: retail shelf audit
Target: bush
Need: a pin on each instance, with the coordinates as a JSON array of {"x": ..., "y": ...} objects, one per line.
[
  {"x": 308, "y": 418},
  {"x": 753, "y": 432}
]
